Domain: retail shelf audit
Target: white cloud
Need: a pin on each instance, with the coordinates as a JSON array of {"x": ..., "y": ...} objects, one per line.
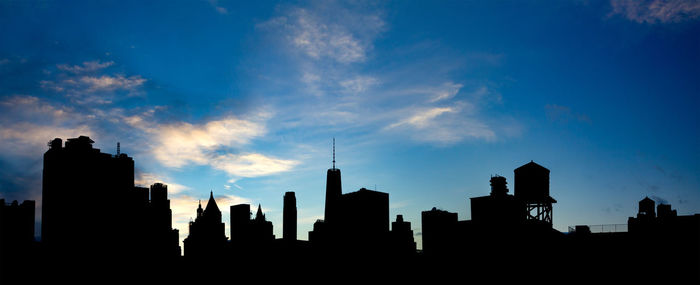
[
  {"x": 87, "y": 66},
  {"x": 336, "y": 33},
  {"x": 447, "y": 91},
  {"x": 359, "y": 84},
  {"x": 29, "y": 123},
  {"x": 251, "y": 164},
  {"x": 657, "y": 11},
  {"x": 423, "y": 118},
  {"x": 183, "y": 143},
  {"x": 31, "y": 139},
  {"x": 111, "y": 83},
  {"x": 442, "y": 125},
  {"x": 148, "y": 179},
  {"x": 212, "y": 143},
  {"x": 93, "y": 88}
]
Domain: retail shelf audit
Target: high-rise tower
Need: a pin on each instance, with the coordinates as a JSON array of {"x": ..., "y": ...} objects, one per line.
[
  {"x": 334, "y": 191},
  {"x": 289, "y": 230}
]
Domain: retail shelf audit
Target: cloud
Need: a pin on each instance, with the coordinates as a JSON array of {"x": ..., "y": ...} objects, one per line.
[
  {"x": 87, "y": 66},
  {"x": 111, "y": 83},
  {"x": 359, "y": 84},
  {"x": 442, "y": 125},
  {"x": 179, "y": 144},
  {"x": 84, "y": 85},
  {"x": 29, "y": 123},
  {"x": 251, "y": 164},
  {"x": 219, "y": 9},
  {"x": 212, "y": 143},
  {"x": 329, "y": 31},
  {"x": 332, "y": 44},
  {"x": 446, "y": 91},
  {"x": 148, "y": 179},
  {"x": 657, "y": 11},
  {"x": 423, "y": 118}
]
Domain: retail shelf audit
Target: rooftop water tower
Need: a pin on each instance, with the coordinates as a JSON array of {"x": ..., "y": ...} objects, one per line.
[{"x": 532, "y": 189}]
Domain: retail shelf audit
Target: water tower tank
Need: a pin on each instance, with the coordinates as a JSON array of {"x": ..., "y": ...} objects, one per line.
[{"x": 531, "y": 182}]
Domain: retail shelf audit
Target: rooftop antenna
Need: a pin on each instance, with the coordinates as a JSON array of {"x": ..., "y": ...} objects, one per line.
[
  {"x": 333, "y": 153},
  {"x": 118, "y": 149}
]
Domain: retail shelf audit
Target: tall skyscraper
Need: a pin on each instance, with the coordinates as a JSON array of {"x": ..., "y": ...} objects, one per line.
[
  {"x": 80, "y": 183},
  {"x": 334, "y": 191},
  {"x": 289, "y": 230}
]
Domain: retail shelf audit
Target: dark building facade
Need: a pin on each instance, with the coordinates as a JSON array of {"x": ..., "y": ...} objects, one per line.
[
  {"x": 355, "y": 223},
  {"x": 81, "y": 182},
  {"x": 17, "y": 244},
  {"x": 289, "y": 224},
  {"x": 88, "y": 194},
  {"x": 249, "y": 235},
  {"x": 207, "y": 238},
  {"x": 439, "y": 229},
  {"x": 401, "y": 238}
]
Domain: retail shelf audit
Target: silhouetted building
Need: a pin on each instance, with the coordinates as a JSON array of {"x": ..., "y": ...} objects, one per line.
[
  {"x": 401, "y": 237},
  {"x": 439, "y": 230},
  {"x": 261, "y": 228},
  {"x": 240, "y": 225},
  {"x": 364, "y": 219},
  {"x": 164, "y": 241},
  {"x": 249, "y": 235},
  {"x": 334, "y": 191},
  {"x": 84, "y": 196},
  {"x": 356, "y": 223},
  {"x": 207, "y": 237},
  {"x": 16, "y": 223},
  {"x": 499, "y": 208},
  {"x": 289, "y": 230},
  {"x": 17, "y": 245}
]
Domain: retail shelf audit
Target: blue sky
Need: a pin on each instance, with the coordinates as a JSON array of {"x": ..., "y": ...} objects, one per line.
[{"x": 426, "y": 100}]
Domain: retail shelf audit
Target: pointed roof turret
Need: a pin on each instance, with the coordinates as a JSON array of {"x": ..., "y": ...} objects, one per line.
[
  {"x": 199, "y": 209},
  {"x": 259, "y": 215},
  {"x": 211, "y": 205}
]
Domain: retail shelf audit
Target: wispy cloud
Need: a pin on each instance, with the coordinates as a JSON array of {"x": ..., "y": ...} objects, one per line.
[
  {"x": 217, "y": 6},
  {"x": 251, "y": 164},
  {"x": 111, "y": 83},
  {"x": 359, "y": 84},
  {"x": 338, "y": 89},
  {"x": 84, "y": 85},
  {"x": 87, "y": 66},
  {"x": 328, "y": 32},
  {"x": 29, "y": 123},
  {"x": 657, "y": 11},
  {"x": 446, "y": 91}
]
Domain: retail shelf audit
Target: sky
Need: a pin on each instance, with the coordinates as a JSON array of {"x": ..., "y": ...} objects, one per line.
[{"x": 426, "y": 100}]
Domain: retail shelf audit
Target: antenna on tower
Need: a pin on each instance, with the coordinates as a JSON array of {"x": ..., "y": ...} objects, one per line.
[
  {"x": 333, "y": 153},
  {"x": 118, "y": 149}
]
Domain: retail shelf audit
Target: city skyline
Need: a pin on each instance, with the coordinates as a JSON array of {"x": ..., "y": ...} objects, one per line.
[
  {"x": 78, "y": 240},
  {"x": 426, "y": 101}
]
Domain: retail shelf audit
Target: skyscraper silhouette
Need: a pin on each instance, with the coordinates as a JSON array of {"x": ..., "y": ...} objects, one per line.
[
  {"x": 334, "y": 190},
  {"x": 289, "y": 230},
  {"x": 80, "y": 181}
]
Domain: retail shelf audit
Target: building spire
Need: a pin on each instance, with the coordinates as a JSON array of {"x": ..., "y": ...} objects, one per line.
[{"x": 334, "y": 153}]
